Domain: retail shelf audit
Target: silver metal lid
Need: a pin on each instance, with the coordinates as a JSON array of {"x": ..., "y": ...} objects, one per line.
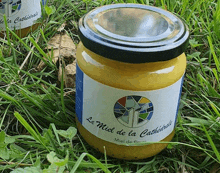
[{"x": 133, "y": 33}]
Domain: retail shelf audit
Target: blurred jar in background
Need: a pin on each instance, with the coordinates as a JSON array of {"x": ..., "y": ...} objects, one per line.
[{"x": 21, "y": 15}]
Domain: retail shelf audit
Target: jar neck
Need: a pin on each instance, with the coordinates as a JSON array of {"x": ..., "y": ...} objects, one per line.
[
  {"x": 139, "y": 77},
  {"x": 97, "y": 60}
]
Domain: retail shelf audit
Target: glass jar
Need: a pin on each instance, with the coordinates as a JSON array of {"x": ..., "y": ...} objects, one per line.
[
  {"x": 130, "y": 69},
  {"x": 21, "y": 15}
]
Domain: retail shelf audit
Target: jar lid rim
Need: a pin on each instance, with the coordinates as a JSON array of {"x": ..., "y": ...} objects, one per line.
[{"x": 133, "y": 33}]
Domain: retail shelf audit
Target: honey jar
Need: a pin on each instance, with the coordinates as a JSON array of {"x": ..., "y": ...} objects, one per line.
[
  {"x": 21, "y": 15},
  {"x": 130, "y": 70}
]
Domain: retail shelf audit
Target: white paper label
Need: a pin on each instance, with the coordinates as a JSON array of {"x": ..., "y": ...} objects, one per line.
[
  {"x": 19, "y": 13},
  {"x": 123, "y": 116}
]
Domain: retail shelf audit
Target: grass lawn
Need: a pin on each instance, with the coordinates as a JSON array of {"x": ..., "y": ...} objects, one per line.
[{"x": 37, "y": 122}]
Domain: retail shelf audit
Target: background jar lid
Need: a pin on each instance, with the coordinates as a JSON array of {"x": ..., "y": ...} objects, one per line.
[{"x": 133, "y": 33}]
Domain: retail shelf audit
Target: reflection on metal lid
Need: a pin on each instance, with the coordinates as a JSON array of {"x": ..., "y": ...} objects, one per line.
[
  {"x": 133, "y": 29},
  {"x": 127, "y": 22},
  {"x": 130, "y": 24}
]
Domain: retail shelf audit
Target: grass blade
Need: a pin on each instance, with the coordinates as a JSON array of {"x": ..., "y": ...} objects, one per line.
[
  {"x": 36, "y": 135},
  {"x": 212, "y": 144},
  {"x": 213, "y": 53},
  {"x": 93, "y": 158}
]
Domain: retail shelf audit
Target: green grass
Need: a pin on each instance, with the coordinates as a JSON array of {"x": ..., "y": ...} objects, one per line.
[{"x": 37, "y": 123}]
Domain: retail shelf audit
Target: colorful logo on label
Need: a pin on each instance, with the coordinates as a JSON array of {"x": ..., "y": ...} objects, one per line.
[
  {"x": 10, "y": 7},
  {"x": 133, "y": 111}
]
